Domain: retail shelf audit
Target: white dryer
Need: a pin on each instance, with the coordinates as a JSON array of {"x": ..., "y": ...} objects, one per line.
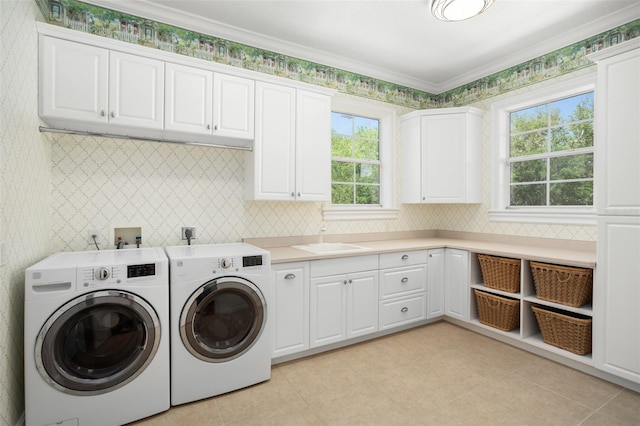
[
  {"x": 96, "y": 337},
  {"x": 220, "y": 336}
]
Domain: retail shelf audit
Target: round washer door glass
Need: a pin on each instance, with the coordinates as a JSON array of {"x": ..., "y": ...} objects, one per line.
[
  {"x": 223, "y": 319},
  {"x": 97, "y": 342}
]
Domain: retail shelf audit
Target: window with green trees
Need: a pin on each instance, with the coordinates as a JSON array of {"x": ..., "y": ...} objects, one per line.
[
  {"x": 355, "y": 160},
  {"x": 551, "y": 153}
]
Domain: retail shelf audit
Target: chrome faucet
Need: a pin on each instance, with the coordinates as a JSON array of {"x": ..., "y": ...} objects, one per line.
[{"x": 321, "y": 233}]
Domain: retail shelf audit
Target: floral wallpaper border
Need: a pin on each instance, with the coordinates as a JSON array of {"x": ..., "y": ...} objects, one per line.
[{"x": 108, "y": 23}]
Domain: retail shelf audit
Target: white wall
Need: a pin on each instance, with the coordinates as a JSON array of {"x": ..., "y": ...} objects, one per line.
[{"x": 25, "y": 189}]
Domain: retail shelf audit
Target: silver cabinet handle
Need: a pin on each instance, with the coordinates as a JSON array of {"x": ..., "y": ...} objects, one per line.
[
  {"x": 103, "y": 113},
  {"x": 289, "y": 276},
  {"x": 113, "y": 114},
  {"x": 404, "y": 280},
  {"x": 405, "y": 309},
  {"x": 405, "y": 256}
]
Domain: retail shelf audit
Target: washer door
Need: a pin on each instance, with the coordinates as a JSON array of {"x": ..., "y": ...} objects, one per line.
[
  {"x": 223, "y": 319},
  {"x": 97, "y": 342}
]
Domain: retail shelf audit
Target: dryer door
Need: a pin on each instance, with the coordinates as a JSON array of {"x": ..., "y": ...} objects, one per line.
[
  {"x": 223, "y": 319},
  {"x": 97, "y": 342}
]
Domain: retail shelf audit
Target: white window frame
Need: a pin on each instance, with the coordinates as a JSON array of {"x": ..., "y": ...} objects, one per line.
[
  {"x": 387, "y": 118},
  {"x": 500, "y": 178}
]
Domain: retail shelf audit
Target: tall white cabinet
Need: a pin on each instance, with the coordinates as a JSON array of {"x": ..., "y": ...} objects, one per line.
[
  {"x": 442, "y": 156},
  {"x": 291, "y": 160},
  {"x": 616, "y": 301}
]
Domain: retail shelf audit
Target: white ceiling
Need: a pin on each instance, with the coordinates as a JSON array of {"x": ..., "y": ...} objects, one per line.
[{"x": 394, "y": 40}]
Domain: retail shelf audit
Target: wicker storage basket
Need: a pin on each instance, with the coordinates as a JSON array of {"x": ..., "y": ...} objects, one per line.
[
  {"x": 564, "y": 331},
  {"x": 496, "y": 311},
  {"x": 500, "y": 273},
  {"x": 562, "y": 284}
]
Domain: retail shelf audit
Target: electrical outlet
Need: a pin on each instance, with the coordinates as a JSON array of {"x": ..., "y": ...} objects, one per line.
[
  {"x": 90, "y": 235},
  {"x": 193, "y": 232}
]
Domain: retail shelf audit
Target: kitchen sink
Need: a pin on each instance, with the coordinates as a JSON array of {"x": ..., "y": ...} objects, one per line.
[{"x": 330, "y": 248}]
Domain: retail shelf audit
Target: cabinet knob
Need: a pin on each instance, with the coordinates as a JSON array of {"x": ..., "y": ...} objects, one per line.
[
  {"x": 405, "y": 257},
  {"x": 424, "y": 198},
  {"x": 404, "y": 280},
  {"x": 113, "y": 114},
  {"x": 208, "y": 126},
  {"x": 215, "y": 127},
  {"x": 350, "y": 281},
  {"x": 103, "y": 113},
  {"x": 405, "y": 309},
  {"x": 289, "y": 276},
  {"x": 298, "y": 194},
  {"x": 293, "y": 194},
  {"x": 344, "y": 282},
  {"x": 430, "y": 255}
]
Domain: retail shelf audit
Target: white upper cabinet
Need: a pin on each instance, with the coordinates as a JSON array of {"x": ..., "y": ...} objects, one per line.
[
  {"x": 233, "y": 106},
  {"x": 291, "y": 159},
  {"x": 73, "y": 81},
  {"x": 136, "y": 91},
  {"x": 188, "y": 99},
  {"x": 102, "y": 89},
  {"x": 617, "y": 130},
  {"x": 442, "y": 156}
]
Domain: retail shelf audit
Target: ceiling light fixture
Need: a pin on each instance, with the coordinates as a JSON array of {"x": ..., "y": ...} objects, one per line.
[{"x": 458, "y": 10}]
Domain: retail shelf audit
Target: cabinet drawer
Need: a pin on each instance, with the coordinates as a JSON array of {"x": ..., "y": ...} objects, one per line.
[
  {"x": 396, "y": 312},
  {"x": 403, "y": 258},
  {"x": 400, "y": 281},
  {"x": 343, "y": 265}
]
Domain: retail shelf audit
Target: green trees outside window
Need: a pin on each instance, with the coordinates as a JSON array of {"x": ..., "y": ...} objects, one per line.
[
  {"x": 551, "y": 153},
  {"x": 355, "y": 162}
]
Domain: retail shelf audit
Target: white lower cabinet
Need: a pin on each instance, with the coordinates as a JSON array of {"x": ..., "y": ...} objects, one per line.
[
  {"x": 289, "y": 310},
  {"x": 435, "y": 283},
  {"x": 344, "y": 305},
  {"x": 616, "y": 337},
  {"x": 403, "y": 285},
  {"x": 456, "y": 299}
]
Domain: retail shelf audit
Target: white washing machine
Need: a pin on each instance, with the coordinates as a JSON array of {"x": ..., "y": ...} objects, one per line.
[
  {"x": 96, "y": 337},
  {"x": 220, "y": 336}
]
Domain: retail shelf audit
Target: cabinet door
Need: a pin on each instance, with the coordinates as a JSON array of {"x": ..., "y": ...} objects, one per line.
[
  {"x": 290, "y": 309},
  {"x": 270, "y": 171},
  {"x": 188, "y": 99},
  {"x": 457, "y": 284},
  {"x": 362, "y": 300},
  {"x": 313, "y": 146},
  {"x": 617, "y": 135},
  {"x": 73, "y": 81},
  {"x": 328, "y": 310},
  {"x": 233, "y": 106},
  {"x": 443, "y": 171},
  {"x": 616, "y": 301},
  {"x": 435, "y": 283},
  {"x": 136, "y": 91}
]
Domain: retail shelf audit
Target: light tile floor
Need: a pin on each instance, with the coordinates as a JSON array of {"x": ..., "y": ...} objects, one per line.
[{"x": 438, "y": 374}]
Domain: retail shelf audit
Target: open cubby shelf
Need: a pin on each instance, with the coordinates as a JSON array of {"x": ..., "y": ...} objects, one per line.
[{"x": 528, "y": 331}]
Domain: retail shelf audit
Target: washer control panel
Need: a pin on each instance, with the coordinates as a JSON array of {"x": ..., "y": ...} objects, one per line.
[
  {"x": 103, "y": 276},
  {"x": 239, "y": 263}
]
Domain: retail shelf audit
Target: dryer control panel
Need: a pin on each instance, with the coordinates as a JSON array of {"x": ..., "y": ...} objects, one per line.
[{"x": 110, "y": 275}]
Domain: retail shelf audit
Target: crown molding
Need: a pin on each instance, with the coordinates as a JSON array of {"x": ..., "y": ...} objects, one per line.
[
  {"x": 583, "y": 32},
  {"x": 153, "y": 11}
]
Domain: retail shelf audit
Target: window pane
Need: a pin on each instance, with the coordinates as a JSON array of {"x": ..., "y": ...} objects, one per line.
[
  {"x": 341, "y": 194},
  {"x": 529, "y": 195},
  {"x": 574, "y": 136},
  {"x": 341, "y": 146},
  {"x": 367, "y": 173},
  {"x": 572, "y": 167},
  {"x": 571, "y": 194},
  {"x": 529, "y": 171},
  {"x": 367, "y": 194},
  {"x": 366, "y": 149},
  {"x": 366, "y": 127},
  {"x": 528, "y": 144},
  {"x": 529, "y": 119},
  {"x": 575, "y": 108},
  {"x": 341, "y": 124},
  {"x": 341, "y": 171}
]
